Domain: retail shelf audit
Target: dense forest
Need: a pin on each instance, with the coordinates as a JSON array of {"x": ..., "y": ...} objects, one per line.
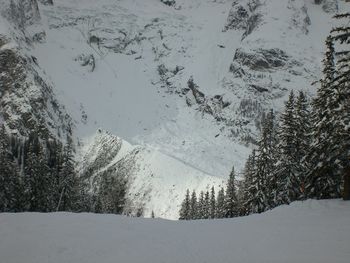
[{"x": 41, "y": 176}]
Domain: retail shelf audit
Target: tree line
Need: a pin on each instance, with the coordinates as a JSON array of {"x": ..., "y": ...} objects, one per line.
[
  {"x": 41, "y": 176},
  {"x": 208, "y": 205},
  {"x": 305, "y": 153}
]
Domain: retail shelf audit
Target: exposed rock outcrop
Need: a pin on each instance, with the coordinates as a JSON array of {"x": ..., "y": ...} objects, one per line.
[
  {"x": 261, "y": 59},
  {"x": 27, "y": 101},
  {"x": 168, "y": 2},
  {"x": 243, "y": 16}
]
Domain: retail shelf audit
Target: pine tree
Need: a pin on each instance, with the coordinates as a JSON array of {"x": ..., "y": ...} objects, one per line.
[
  {"x": 248, "y": 186},
  {"x": 220, "y": 204},
  {"x": 329, "y": 155},
  {"x": 303, "y": 139},
  {"x": 231, "y": 207},
  {"x": 9, "y": 177},
  {"x": 185, "y": 207},
  {"x": 341, "y": 110},
  {"x": 206, "y": 207},
  {"x": 201, "y": 206},
  {"x": 263, "y": 181},
  {"x": 112, "y": 192},
  {"x": 68, "y": 181},
  {"x": 212, "y": 203},
  {"x": 37, "y": 178},
  {"x": 287, "y": 184},
  {"x": 193, "y": 206}
]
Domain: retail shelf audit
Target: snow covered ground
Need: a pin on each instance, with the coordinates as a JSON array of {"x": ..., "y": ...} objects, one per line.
[{"x": 303, "y": 232}]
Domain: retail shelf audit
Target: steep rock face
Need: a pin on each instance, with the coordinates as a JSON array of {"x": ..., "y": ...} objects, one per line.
[
  {"x": 28, "y": 103},
  {"x": 243, "y": 16},
  {"x": 261, "y": 59},
  {"x": 21, "y": 13}
]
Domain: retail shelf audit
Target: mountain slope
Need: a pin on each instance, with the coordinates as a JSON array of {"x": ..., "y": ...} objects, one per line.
[
  {"x": 311, "y": 231},
  {"x": 185, "y": 83},
  {"x": 156, "y": 182}
]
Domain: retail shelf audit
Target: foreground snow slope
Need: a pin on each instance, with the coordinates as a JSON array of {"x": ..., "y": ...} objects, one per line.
[{"x": 310, "y": 231}]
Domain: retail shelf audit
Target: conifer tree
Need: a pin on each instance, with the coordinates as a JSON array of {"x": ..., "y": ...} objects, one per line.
[
  {"x": 9, "y": 177},
  {"x": 68, "y": 181},
  {"x": 287, "y": 184},
  {"x": 37, "y": 178},
  {"x": 340, "y": 149},
  {"x": 112, "y": 193},
  {"x": 303, "y": 139},
  {"x": 322, "y": 182},
  {"x": 220, "y": 204},
  {"x": 231, "y": 207},
  {"x": 329, "y": 155},
  {"x": 212, "y": 203},
  {"x": 201, "y": 206},
  {"x": 185, "y": 207},
  {"x": 249, "y": 189},
  {"x": 263, "y": 181},
  {"x": 206, "y": 207},
  {"x": 193, "y": 207}
]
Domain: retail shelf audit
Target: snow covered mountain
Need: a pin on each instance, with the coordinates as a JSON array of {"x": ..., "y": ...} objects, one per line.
[{"x": 184, "y": 83}]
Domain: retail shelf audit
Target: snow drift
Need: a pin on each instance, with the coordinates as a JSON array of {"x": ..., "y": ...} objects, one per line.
[{"x": 310, "y": 231}]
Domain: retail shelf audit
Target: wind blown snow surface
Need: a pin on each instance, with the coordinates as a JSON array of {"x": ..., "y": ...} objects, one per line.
[{"x": 311, "y": 231}]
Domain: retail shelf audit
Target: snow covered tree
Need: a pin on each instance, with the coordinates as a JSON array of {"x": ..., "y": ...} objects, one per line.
[
  {"x": 111, "y": 195},
  {"x": 248, "y": 186},
  {"x": 68, "y": 187},
  {"x": 37, "y": 178},
  {"x": 10, "y": 185},
  {"x": 220, "y": 204},
  {"x": 231, "y": 207},
  {"x": 303, "y": 139},
  {"x": 201, "y": 206},
  {"x": 212, "y": 203},
  {"x": 263, "y": 181},
  {"x": 193, "y": 206},
  {"x": 341, "y": 108},
  {"x": 329, "y": 155},
  {"x": 287, "y": 185},
  {"x": 185, "y": 207},
  {"x": 206, "y": 207}
]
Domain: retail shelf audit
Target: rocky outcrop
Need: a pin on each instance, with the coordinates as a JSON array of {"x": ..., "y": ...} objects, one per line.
[
  {"x": 300, "y": 18},
  {"x": 330, "y": 6},
  {"x": 243, "y": 16},
  {"x": 261, "y": 59},
  {"x": 211, "y": 105},
  {"x": 168, "y": 2},
  {"x": 27, "y": 101},
  {"x": 46, "y": 2},
  {"x": 23, "y": 12},
  {"x": 87, "y": 61}
]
